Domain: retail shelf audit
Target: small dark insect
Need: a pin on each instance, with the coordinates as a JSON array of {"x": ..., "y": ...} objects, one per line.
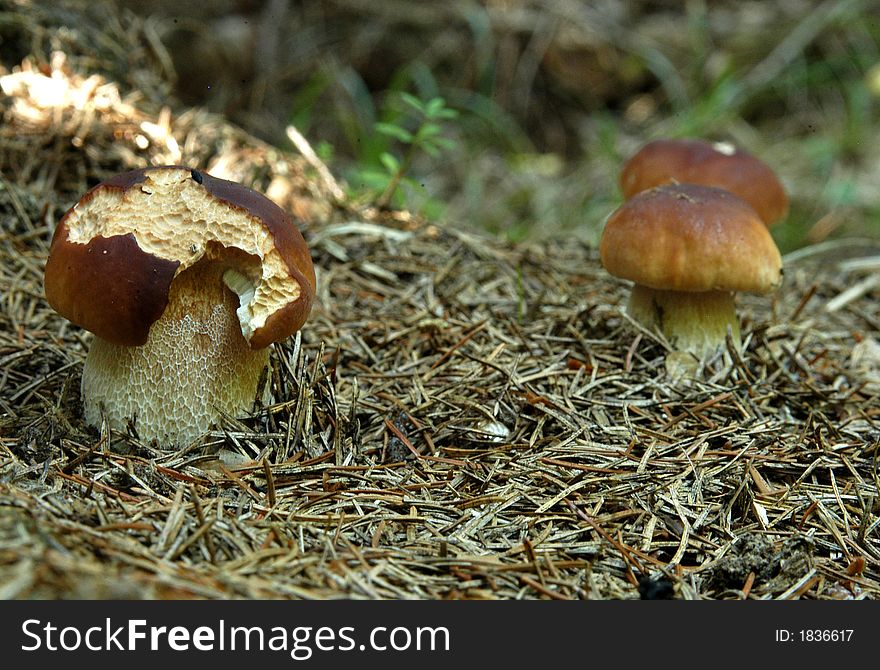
[
  {"x": 656, "y": 589},
  {"x": 196, "y": 175}
]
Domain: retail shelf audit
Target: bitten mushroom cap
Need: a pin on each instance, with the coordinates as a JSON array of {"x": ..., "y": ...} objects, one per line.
[
  {"x": 115, "y": 253},
  {"x": 695, "y": 161},
  {"x": 687, "y": 237},
  {"x": 185, "y": 280}
]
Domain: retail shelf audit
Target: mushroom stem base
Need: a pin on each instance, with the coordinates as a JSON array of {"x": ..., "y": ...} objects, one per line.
[
  {"x": 695, "y": 322},
  {"x": 195, "y": 368}
]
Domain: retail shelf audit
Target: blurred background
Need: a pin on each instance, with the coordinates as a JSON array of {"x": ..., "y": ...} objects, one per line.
[{"x": 515, "y": 116}]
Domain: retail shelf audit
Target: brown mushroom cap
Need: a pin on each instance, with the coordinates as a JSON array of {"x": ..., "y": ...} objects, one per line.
[
  {"x": 694, "y": 161},
  {"x": 686, "y": 237},
  {"x": 116, "y": 252}
]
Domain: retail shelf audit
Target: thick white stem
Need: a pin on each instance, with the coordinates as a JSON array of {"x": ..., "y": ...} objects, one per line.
[
  {"x": 695, "y": 322},
  {"x": 195, "y": 367}
]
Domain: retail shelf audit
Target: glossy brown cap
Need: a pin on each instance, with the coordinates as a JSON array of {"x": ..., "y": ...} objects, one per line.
[
  {"x": 693, "y": 161},
  {"x": 687, "y": 237},
  {"x": 116, "y": 252}
]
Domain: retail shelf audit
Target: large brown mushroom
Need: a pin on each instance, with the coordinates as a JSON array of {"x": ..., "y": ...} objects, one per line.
[
  {"x": 688, "y": 248},
  {"x": 185, "y": 280},
  {"x": 719, "y": 164}
]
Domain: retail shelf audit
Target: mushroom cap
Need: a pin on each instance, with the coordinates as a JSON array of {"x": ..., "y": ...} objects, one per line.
[
  {"x": 686, "y": 237},
  {"x": 694, "y": 161},
  {"x": 116, "y": 252}
]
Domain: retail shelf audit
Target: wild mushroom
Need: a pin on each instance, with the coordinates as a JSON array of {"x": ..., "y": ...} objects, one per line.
[
  {"x": 719, "y": 164},
  {"x": 185, "y": 280},
  {"x": 688, "y": 248}
]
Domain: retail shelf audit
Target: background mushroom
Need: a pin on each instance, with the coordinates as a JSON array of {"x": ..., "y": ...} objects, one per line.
[
  {"x": 688, "y": 248},
  {"x": 693, "y": 161},
  {"x": 185, "y": 280}
]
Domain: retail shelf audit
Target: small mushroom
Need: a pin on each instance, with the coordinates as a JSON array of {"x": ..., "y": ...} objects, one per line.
[
  {"x": 719, "y": 164},
  {"x": 688, "y": 248},
  {"x": 185, "y": 280}
]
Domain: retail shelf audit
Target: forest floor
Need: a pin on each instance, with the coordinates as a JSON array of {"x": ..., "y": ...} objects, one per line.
[{"x": 459, "y": 418}]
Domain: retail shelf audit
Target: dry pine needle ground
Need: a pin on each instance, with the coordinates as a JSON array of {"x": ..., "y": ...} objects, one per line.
[{"x": 458, "y": 419}]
